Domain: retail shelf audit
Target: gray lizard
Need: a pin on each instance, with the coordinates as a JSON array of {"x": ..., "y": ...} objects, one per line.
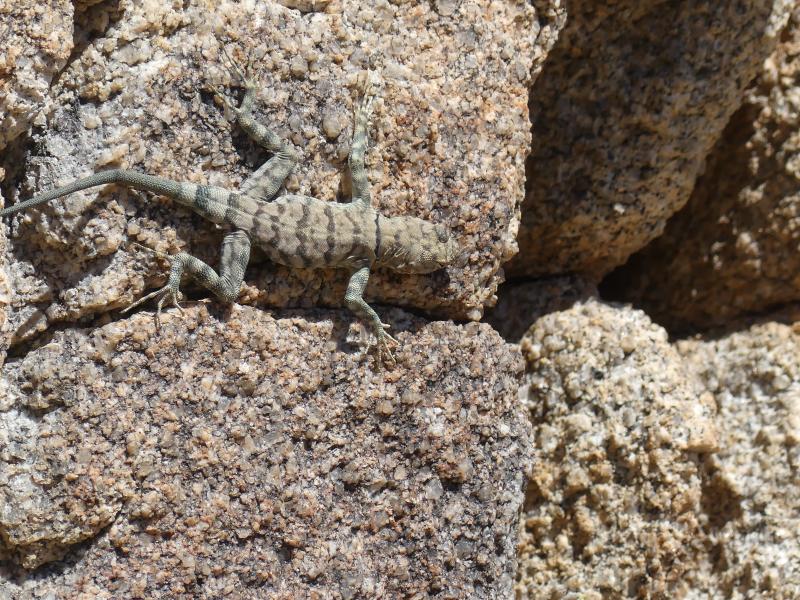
[{"x": 294, "y": 230}]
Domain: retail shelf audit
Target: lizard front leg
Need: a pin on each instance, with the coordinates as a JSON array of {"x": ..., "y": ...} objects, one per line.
[
  {"x": 354, "y": 300},
  {"x": 358, "y": 147},
  {"x": 233, "y": 261}
]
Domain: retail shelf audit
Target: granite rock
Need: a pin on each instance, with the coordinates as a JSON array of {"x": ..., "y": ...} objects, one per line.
[
  {"x": 252, "y": 455},
  {"x": 37, "y": 40},
  {"x": 629, "y": 104},
  {"x": 613, "y": 507},
  {"x": 752, "y": 483},
  {"x": 735, "y": 247},
  {"x": 448, "y": 139}
]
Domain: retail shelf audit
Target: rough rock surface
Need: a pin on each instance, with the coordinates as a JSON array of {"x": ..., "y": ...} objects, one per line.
[
  {"x": 614, "y": 503},
  {"x": 262, "y": 457},
  {"x": 735, "y": 247},
  {"x": 449, "y": 137},
  {"x": 752, "y": 484},
  {"x": 36, "y": 41},
  {"x": 630, "y": 101}
]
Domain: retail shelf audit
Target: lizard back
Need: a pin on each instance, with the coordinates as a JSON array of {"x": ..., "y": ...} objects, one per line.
[{"x": 304, "y": 232}]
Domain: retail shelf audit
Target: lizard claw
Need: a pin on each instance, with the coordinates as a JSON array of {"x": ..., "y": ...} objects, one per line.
[
  {"x": 386, "y": 336},
  {"x": 383, "y": 349},
  {"x": 158, "y": 253},
  {"x": 365, "y": 107},
  {"x": 165, "y": 292},
  {"x": 168, "y": 291},
  {"x": 235, "y": 69},
  {"x": 220, "y": 93},
  {"x": 383, "y": 345}
]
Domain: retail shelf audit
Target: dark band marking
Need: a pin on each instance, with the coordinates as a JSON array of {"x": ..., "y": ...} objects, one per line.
[
  {"x": 330, "y": 239},
  {"x": 201, "y": 198},
  {"x": 232, "y": 210},
  {"x": 303, "y": 222},
  {"x": 302, "y": 249},
  {"x": 377, "y": 235},
  {"x": 353, "y": 222},
  {"x": 330, "y": 242},
  {"x": 276, "y": 233},
  {"x": 302, "y": 243}
]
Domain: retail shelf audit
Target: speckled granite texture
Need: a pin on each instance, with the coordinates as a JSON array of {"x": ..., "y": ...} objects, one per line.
[
  {"x": 752, "y": 483},
  {"x": 36, "y": 41},
  {"x": 237, "y": 452},
  {"x": 247, "y": 455},
  {"x": 613, "y": 507},
  {"x": 735, "y": 247},
  {"x": 449, "y": 135},
  {"x": 631, "y": 100},
  {"x": 255, "y": 452}
]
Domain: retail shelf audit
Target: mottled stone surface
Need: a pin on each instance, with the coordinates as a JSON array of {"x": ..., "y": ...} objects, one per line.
[
  {"x": 752, "y": 484},
  {"x": 613, "y": 508},
  {"x": 735, "y": 247},
  {"x": 247, "y": 455},
  {"x": 36, "y": 41},
  {"x": 449, "y": 136},
  {"x": 628, "y": 106}
]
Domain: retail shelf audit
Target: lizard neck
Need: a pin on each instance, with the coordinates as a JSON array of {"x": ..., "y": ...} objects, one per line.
[{"x": 394, "y": 241}]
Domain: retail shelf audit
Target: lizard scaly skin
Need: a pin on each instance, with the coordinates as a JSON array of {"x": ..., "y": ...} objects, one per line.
[{"x": 294, "y": 230}]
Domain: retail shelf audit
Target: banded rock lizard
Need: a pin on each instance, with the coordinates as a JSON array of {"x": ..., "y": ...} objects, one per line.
[{"x": 294, "y": 230}]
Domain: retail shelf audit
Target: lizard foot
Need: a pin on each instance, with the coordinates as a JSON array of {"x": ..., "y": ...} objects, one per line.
[
  {"x": 383, "y": 345},
  {"x": 364, "y": 108},
  {"x": 168, "y": 291},
  {"x": 236, "y": 73}
]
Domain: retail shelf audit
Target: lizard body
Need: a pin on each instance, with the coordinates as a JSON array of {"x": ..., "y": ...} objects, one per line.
[{"x": 294, "y": 230}]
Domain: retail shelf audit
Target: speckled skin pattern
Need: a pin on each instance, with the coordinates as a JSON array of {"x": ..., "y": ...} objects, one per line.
[{"x": 294, "y": 230}]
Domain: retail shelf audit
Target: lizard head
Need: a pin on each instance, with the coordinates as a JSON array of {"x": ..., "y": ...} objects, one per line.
[{"x": 416, "y": 246}]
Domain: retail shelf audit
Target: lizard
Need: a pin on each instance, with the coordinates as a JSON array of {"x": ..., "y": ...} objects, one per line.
[{"x": 294, "y": 230}]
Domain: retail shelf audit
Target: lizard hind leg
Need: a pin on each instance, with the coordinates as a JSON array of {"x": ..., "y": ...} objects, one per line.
[{"x": 233, "y": 261}]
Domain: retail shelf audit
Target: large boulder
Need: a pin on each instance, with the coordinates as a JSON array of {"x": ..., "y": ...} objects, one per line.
[
  {"x": 264, "y": 456},
  {"x": 751, "y": 488},
  {"x": 613, "y": 507},
  {"x": 734, "y": 249},
  {"x": 630, "y": 102}
]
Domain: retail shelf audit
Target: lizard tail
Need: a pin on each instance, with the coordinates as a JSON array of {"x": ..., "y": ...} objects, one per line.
[{"x": 141, "y": 181}]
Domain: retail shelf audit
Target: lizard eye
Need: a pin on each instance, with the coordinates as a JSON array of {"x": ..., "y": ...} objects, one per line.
[{"x": 442, "y": 234}]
